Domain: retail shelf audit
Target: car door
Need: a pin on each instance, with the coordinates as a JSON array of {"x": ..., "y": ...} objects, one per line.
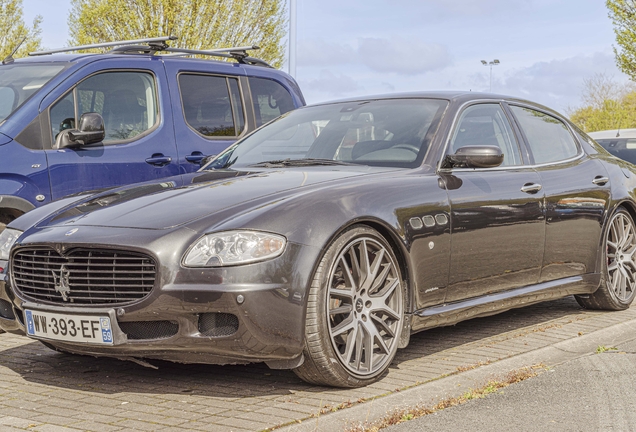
[
  {"x": 577, "y": 193},
  {"x": 497, "y": 218},
  {"x": 132, "y": 97}
]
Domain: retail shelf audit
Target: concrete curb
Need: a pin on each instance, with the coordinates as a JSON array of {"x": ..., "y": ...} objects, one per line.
[{"x": 453, "y": 386}]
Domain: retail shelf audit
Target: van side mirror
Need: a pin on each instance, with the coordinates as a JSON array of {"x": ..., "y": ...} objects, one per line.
[
  {"x": 476, "y": 157},
  {"x": 91, "y": 131}
]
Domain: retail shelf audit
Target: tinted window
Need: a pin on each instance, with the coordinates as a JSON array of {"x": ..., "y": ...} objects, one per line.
[
  {"x": 549, "y": 139},
  {"x": 624, "y": 148},
  {"x": 211, "y": 104},
  {"x": 126, "y": 100},
  {"x": 270, "y": 99},
  {"x": 384, "y": 133},
  {"x": 486, "y": 125}
]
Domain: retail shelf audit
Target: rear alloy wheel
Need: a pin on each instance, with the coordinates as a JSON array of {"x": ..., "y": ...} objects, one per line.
[
  {"x": 618, "y": 286},
  {"x": 355, "y": 312}
]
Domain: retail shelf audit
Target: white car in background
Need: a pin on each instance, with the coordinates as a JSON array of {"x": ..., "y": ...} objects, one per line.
[{"x": 619, "y": 142}]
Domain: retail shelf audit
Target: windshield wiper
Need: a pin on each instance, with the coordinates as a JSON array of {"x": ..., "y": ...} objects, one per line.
[{"x": 299, "y": 162}]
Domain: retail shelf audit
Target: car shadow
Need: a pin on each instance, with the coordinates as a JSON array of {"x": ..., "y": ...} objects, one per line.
[{"x": 37, "y": 364}]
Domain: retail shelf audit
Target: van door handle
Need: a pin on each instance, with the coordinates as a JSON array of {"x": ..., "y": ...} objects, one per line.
[
  {"x": 600, "y": 180},
  {"x": 531, "y": 188},
  {"x": 159, "y": 160},
  {"x": 195, "y": 158}
]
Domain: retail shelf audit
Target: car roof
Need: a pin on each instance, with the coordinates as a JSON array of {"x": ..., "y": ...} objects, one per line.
[
  {"x": 457, "y": 96},
  {"x": 613, "y": 133}
]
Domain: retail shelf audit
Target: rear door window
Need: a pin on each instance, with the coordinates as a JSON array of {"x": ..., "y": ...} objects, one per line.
[
  {"x": 270, "y": 99},
  {"x": 548, "y": 137},
  {"x": 212, "y": 105}
]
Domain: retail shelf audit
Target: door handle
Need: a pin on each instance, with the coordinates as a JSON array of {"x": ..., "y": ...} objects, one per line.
[
  {"x": 159, "y": 160},
  {"x": 531, "y": 188},
  {"x": 600, "y": 180},
  {"x": 195, "y": 158}
]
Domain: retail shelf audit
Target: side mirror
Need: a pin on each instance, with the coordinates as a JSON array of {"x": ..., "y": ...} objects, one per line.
[
  {"x": 91, "y": 130},
  {"x": 206, "y": 160},
  {"x": 476, "y": 157}
]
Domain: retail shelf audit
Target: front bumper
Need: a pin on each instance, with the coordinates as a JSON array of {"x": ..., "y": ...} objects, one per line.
[{"x": 259, "y": 309}]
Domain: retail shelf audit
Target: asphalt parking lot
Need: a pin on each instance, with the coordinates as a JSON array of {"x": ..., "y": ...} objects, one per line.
[{"x": 42, "y": 390}]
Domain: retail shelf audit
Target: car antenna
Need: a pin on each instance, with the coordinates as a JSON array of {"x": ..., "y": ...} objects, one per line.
[{"x": 9, "y": 59}]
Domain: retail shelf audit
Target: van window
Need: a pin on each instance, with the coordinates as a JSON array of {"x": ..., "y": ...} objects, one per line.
[
  {"x": 212, "y": 105},
  {"x": 18, "y": 82},
  {"x": 126, "y": 100},
  {"x": 270, "y": 99}
]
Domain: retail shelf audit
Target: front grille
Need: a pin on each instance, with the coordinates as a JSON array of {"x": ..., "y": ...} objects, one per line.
[
  {"x": 138, "y": 330},
  {"x": 83, "y": 276},
  {"x": 218, "y": 324}
]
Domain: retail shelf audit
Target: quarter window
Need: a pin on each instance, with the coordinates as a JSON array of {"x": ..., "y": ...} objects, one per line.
[
  {"x": 486, "y": 125},
  {"x": 270, "y": 99},
  {"x": 126, "y": 100},
  {"x": 549, "y": 139},
  {"x": 212, "y": 105}
]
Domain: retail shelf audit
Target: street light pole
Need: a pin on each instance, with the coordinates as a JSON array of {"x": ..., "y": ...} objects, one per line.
[
  {"x": 292, "y": 38},
  {"x": 495, "y": 62}
]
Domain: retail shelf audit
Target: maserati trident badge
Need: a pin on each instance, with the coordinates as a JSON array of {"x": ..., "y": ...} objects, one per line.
[{"x": 61, "y": 282}]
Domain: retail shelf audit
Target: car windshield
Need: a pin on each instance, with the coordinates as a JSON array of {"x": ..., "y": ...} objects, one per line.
[
  {"x": 18, "y": 82},
  {"x": 390, "y": 132}
]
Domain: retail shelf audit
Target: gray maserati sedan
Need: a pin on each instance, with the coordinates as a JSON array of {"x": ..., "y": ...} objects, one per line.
[{"x": 322, "y": 241}]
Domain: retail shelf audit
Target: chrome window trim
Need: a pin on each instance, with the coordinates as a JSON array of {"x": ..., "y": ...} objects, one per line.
[
  {"x": 463, "y": 106},
  {"x": 580, "y": 152}
]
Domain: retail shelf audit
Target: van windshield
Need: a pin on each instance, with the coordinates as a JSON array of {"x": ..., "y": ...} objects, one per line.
[{"x": 18, "y": 82}]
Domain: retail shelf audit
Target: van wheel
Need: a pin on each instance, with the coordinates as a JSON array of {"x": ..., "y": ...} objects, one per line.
[
  {"x": 355, "y": 312},
  {"x": 618, "y": 283}
]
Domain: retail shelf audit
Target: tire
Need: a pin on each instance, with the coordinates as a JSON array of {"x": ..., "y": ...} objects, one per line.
[
  {"x": 355, "y": 312},
  {"x": 618, "y": 277}
]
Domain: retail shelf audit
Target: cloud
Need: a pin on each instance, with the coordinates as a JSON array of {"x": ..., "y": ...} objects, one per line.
[
  {"x": 402, "y": 56},
  {"x": 331, "y": 84},
  {"x": 318, "y": 52},
  {"x": 405, "y": 56},
  {"x": 556, "y": 83}
]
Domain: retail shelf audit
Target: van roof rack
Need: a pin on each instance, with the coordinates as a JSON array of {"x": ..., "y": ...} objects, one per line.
[{"x": 158, "y": 44}]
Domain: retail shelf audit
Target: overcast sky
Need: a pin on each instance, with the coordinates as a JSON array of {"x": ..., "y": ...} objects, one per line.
[{"x": 357, "y": 47}]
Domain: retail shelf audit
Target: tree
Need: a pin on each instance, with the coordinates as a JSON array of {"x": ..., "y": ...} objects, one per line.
[
  {"x": 623, "y": 15},
  {"x": 607, "y": 105},
  {"x": 13, "y": 30},
  {"x": 199, "y": 24}
]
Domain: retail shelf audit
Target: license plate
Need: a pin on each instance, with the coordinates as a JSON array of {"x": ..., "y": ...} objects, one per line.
[{"x": 72, "y": 328}]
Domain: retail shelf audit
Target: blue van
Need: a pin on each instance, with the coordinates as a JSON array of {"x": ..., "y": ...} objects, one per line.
[{"x": 159, "y": 116}]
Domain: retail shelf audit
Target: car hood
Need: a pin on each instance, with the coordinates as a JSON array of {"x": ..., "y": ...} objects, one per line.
[{"x": 163, "y": 205}]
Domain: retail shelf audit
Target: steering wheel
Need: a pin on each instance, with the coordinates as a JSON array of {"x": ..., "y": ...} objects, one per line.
[{"x": 415, "y": 149}]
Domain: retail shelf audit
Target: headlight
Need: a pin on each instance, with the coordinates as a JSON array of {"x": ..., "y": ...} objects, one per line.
[
  {"x": 234, "y": 247},
  {"x": 8, "y": 238}
]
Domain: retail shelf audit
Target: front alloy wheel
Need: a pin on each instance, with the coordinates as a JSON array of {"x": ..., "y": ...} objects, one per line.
[{"x": 357, "y": 302}]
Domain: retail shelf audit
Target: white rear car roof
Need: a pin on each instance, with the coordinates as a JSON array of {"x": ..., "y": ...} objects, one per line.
[{"x": 609, "y": 134}]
